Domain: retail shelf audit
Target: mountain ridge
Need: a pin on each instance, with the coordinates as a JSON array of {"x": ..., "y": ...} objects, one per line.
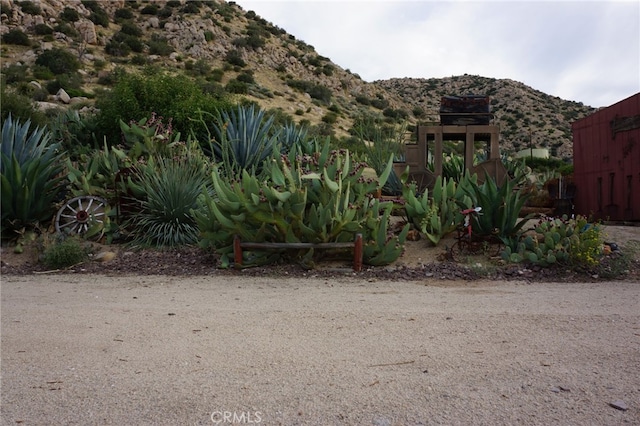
[{"x": 235, "y": 50}]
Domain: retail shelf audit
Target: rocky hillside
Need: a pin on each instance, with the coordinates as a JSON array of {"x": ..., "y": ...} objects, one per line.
[{"x": 236, "y": 51}]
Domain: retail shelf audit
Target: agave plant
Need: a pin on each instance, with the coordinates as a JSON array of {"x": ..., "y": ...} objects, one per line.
[
  {"x": 167, "y": 191},
  {"x": 243, "y": 139},
  {"x": 501, "y": 207},
  {"x": 30, "y": 169}
]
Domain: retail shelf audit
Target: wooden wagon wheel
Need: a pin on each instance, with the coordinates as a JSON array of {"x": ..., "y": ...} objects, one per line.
[{"x": 79, "y": 214}]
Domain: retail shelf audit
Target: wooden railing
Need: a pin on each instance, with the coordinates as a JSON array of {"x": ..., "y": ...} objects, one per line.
[{"x": 238, "y": 245}]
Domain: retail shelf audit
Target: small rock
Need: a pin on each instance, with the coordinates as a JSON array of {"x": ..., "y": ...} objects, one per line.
[
  {"x": 63, "y": 96},
  {"x": 104, "y": 256},
  {"x": 619, "y": 405}
]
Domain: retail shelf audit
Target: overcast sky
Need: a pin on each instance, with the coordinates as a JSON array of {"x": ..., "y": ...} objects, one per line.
[{"x": 584, "y": 51}]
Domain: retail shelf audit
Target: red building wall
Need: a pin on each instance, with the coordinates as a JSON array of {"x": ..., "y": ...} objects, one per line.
[{"x": 606, "y": 162}]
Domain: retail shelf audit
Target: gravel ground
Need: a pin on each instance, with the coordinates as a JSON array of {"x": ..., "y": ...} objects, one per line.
[{"x": 91, "y": 349}]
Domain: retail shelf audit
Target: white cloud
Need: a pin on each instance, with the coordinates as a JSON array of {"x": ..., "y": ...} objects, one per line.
[{"x": 587, "y": 51}]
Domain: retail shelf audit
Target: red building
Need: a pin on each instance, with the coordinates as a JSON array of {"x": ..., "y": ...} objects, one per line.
[{"x": 606, "y": 162}]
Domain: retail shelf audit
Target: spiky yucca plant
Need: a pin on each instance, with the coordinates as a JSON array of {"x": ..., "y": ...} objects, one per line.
[
  {"x": 29, "y": 171},
  {"x": 168, "y": 190}
]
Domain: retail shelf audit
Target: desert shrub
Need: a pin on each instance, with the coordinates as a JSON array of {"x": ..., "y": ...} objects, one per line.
[
  {"x": 140, "y": 60},
  {"x": 234, "y": 57},
  {"x": 41, "y": 72},
  {"x": 130, "y": 28},
  {"x": 59, "y": 61},
  {"x": 136, "y": 96},
  {"x": 17, "y": 37},
  {"x": 132, "y": 41},
  {"x": 165, "y": 12},
  {"x": 117, "y": 48},
  {"x": 191, "y": 7},
  {"x": 330, "y": 117},
  {"x": 64, "y": 253},
  {"x": 30, "y": 7},
  {"x": 66, "y": 29},
  {"x": 69, "y": 82},
  {"x": 69, "y": 15},
  {"x": 15, "y": 73},
  {"x": 150, "y": 9},
  {"x": 123, "y": 14},
  {"x": 32, "y": 91},
  {"x": 200, "y": 67},
  {"x": 246, "y": 77},
  {"x": 21, "y": 107},
  {"x": 237, "y": 87},
  {"x": 98, "y": 15},
  {"x": 363, "y": 100},
  {"x": 217, "y": 74},
  {"x": 379, "y": 103},
  {"x": 159, "y": 46},
  {"x": 43, "y": 29}
]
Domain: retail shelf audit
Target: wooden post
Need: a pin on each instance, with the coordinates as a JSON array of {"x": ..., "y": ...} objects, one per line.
[
  {"x": 237, "y": 252},
  {"x": 357, "y": 253}
]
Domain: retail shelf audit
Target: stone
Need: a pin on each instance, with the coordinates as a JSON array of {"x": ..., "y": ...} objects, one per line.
[
  {"x": 63, "y": 96},
  {"x": 104, "y": 256},
  {"x": 619, "y": 405}
]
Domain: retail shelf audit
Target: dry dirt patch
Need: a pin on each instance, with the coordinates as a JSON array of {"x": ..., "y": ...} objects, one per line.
[{"x": 95, "y": 349}]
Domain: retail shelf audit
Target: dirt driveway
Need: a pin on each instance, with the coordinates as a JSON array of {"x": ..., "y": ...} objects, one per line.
[{"x": 143, "y": 350}]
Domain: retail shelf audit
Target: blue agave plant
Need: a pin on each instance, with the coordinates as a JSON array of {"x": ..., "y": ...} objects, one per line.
[
  {"x": 30, "y": 168},
  {"x": 244, "y": 139}
]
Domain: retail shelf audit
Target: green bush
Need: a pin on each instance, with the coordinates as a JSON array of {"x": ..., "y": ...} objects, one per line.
[
  {"x": 130, "y": 28},
  {"x": 136, "y": 96},
  {"x": 59, "y": 61},
  {"x": 159, "y": 46},
  {"x": 30, "y": 7},
  {"x": 123, "y": 14},
  {"x": 64, "y": 254},
  {"x": 117, "y": 48},
  {"x": 234, "y": 57},
  {"x": 69, "y": 15},
  {"x": 246, "y": 77},
  {"x": 20, "y": 107},
  {"x": 17, "y": 37},
  {"x": 134, "y": 43},
  {"x": 43, "y": 29},
  {"x": 237, "y": 87},
  {"x": 15, "y": 73},
  {"x": 66, "y": 29},
  {"x": 69, "y": 82},
  {"x": 150, "y": 9},
  {"x": 98, "y": 15}
]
